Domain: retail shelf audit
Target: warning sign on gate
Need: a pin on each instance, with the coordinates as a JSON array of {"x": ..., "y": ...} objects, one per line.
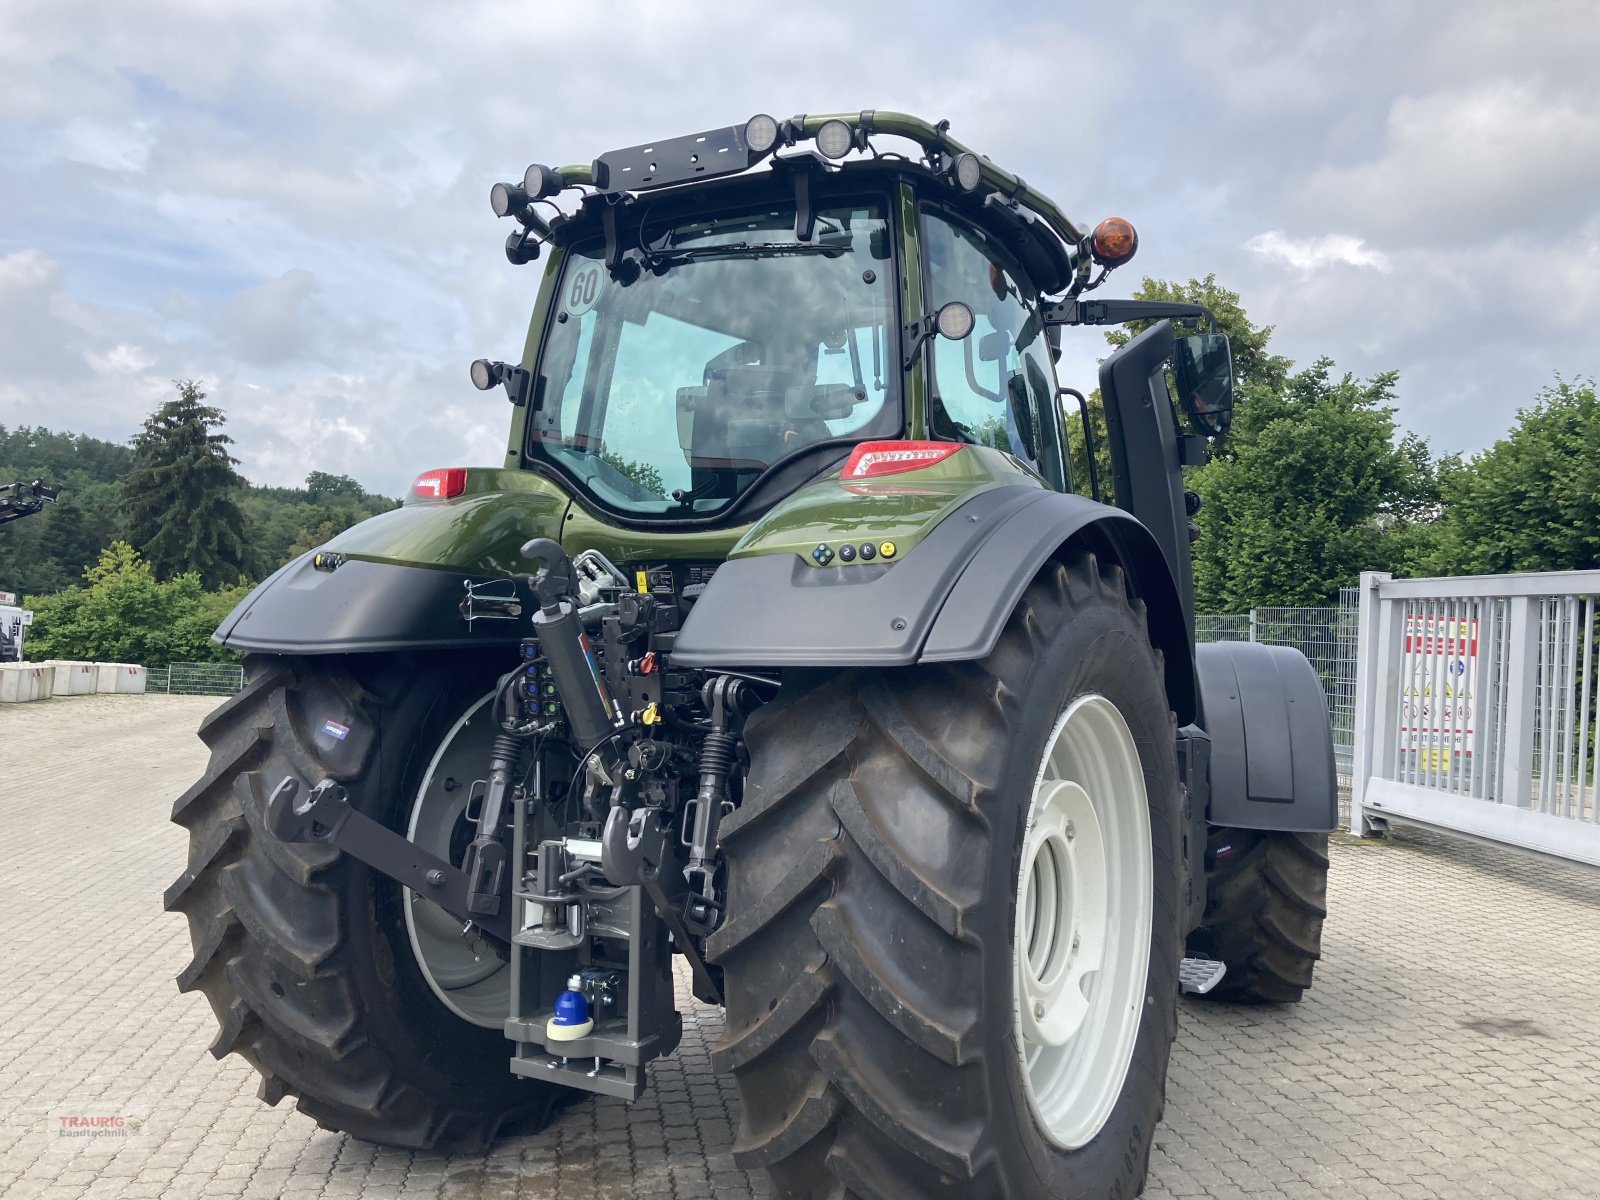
[{"x": 1438, "y": 711}]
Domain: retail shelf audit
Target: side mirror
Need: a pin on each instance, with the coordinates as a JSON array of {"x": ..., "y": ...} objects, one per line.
[{"x": 1202, "y": 366}]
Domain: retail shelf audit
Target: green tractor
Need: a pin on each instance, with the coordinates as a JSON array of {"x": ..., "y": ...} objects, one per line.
[{"x": 782, "y": 642}]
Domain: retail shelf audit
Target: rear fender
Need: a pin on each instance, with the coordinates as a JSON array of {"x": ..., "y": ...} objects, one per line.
[{"x": 945, "y": 600}]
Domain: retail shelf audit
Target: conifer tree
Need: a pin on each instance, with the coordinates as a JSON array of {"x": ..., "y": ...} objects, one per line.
[{"x": 180, "y": 501}]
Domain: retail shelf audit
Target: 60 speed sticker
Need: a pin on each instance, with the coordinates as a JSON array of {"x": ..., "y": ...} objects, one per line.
[{"x": 583, "y": 289}]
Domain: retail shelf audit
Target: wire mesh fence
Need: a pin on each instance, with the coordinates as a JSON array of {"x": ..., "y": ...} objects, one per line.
[
  {"x": 195, "y": 679},
  {"x": 1222, "y": 627},
  {"x": 1327, "y": 637}
]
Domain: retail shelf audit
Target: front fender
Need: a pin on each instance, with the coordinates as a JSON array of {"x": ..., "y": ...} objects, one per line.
[{"x": 1272, "y": 761}]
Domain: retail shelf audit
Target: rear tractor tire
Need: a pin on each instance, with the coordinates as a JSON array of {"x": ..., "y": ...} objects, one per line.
[
  {"x": 306, "y": 955},
  {"x": 954, "y": 915},
  {"x": 1266, "y": 897}
]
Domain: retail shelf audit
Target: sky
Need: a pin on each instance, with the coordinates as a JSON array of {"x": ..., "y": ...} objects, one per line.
[{"x": 289, "y": 200}]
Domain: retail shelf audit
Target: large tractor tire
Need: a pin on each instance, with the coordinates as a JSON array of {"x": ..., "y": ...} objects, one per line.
[
  {"x": 1266, "y": 897},
  {"x": 928, "y": 864},
  {"x": 306, "y": 954}
]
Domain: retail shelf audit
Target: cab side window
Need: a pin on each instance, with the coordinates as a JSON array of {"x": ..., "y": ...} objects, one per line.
[{"x": 996, "y": 387}]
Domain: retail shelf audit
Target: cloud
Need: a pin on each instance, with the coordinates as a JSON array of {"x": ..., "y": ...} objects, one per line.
[
  {"x": 1458, "y": 162},
  {"x": 123, "y": 147},
  {"x": 276, "y": 322},
  {"x": 288, "y": 199},
  {"x": 1308, "y": 255},
  {"x": 123, "y": 359}
]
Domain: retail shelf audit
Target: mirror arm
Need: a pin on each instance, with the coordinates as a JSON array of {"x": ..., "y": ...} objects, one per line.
[
  {"x": 617, "y": 264},
  {"x": 1115, "y": 312},
  {"x": 805, "y": 216}
]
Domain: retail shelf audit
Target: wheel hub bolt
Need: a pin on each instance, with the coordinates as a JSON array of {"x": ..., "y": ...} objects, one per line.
[
  {"x": 1071, "y": 832},
  {"x": 1038, "y": 1011}
]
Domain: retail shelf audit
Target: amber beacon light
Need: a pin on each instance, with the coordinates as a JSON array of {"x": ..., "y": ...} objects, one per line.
[{"x": 1114, "y": 242}]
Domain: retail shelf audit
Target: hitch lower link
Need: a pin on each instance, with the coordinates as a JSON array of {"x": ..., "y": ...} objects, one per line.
[
  {"x": 633, "y": 852},
  {"x": 323, "y": 814}
]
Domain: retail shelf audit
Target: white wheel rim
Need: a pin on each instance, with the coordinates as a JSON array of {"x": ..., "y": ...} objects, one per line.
[
  {"x": 468, "y": 977},
  {"x": 1082, "y": 937}
]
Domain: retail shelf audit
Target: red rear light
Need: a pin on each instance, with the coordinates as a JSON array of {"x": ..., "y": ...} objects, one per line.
[
  {"x": 870, "y": 459},
  {"x": 440, "y": 483}
]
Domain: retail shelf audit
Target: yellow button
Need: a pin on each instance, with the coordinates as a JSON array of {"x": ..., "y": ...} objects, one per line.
[{"x": 887, "y": 549}]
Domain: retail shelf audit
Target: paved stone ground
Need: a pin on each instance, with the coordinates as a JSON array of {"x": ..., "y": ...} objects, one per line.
[{"x": 1451, "y": 1047}]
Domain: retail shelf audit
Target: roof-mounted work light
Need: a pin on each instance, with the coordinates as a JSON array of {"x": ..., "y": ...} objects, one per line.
[
  {"x": 508, "y": 200},
  {"x": 761, "y": 133},
  {"x": 967, "y": 172},
  {"x": 835, "y": 139},
  {"x": 512, "y": 200},
  {"x": 541, "y": 182}
]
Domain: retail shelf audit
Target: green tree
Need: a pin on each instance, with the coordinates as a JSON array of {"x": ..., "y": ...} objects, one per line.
[
  {"x": 282, "y": 519},
  {"x": 1317, "y": 487},
  {"x": 74, "y": 541},
  {"x": 126, "y": 615},
  {"x": 180, "y": 495},
  {"x": 49, "y": 551},
  {"x": 322, "y": 487},
  {"x": 333, "y": 523},
  {"x": 1532, "y": 501}
]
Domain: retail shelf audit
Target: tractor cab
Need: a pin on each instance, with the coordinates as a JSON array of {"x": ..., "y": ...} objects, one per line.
[{"x": 711, "y": 337}]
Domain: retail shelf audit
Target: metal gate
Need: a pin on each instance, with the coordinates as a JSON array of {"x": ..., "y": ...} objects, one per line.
[{"x": 1476, "y": 708}]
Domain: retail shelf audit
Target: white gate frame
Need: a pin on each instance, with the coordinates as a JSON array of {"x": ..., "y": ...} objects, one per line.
[{"x": 1519, "y": 764}]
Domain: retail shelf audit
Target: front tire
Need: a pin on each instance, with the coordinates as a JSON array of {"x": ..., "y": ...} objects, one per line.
[
  {"x": 1266, "y": 898},
  {"x": 871, "y": 954},
  {"x": 303, "y": 951}
]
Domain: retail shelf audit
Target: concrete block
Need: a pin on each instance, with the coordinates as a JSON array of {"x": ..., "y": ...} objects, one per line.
[
  {"x": 119, "y": 677},
  {"x": 21, "y": 682},
  {"x": 73, "y": 678}
]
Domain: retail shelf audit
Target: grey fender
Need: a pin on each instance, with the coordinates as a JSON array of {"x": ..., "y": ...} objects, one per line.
[
  {"x": 1272, "y": 763},
  {"x": 947, "y": 600},
  {"x": 363, "y": 606}
]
